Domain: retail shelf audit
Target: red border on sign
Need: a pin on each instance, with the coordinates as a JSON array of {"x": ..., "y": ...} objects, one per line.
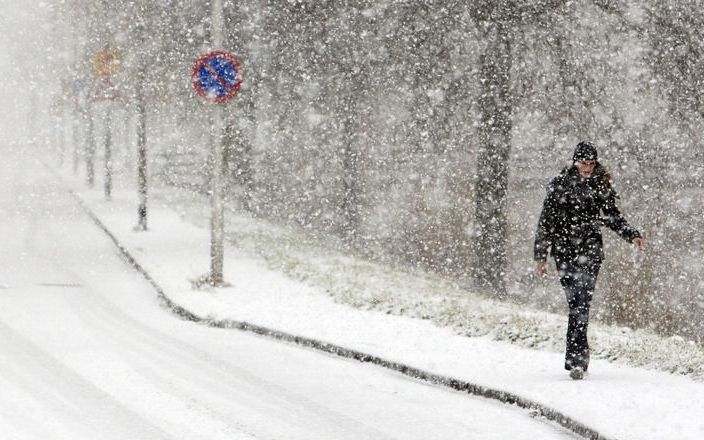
[{"x": 202, "y": 61}]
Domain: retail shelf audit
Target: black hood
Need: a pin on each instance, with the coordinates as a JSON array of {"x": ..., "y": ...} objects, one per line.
[{"x": 585, "y": 151}]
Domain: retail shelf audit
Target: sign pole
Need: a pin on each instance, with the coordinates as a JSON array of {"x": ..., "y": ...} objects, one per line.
[
  {"x": 218, "y": 24},
  {"x": 217, "y": 77},
  {"x": 217, "y": 235},
  {"x": 106, "y": 63}
]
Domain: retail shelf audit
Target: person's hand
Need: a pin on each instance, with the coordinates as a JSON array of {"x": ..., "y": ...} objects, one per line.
[
  {"x": 640, "y": 243},
  {"x": 541, "y": 268}
]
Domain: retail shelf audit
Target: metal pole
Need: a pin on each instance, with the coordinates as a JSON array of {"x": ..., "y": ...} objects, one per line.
[
  {"x": 217, "y": 220},
  {"x": 218, "y": 24},
  {"x": 217, "y": 235}
]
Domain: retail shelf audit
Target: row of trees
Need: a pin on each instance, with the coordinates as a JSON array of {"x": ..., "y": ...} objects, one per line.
[{"x": 424, "y": 132}]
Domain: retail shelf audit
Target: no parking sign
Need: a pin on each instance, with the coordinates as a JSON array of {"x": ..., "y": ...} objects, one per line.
[{"x": 217, "y": 76}]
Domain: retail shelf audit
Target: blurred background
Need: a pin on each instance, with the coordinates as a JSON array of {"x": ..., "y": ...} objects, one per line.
[{"x": 414, "y": 133}]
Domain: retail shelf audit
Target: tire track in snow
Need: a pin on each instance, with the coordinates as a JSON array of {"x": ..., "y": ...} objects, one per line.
[
  {"x": 168, "y": 363},
  {"x": 92, "y": 413}
]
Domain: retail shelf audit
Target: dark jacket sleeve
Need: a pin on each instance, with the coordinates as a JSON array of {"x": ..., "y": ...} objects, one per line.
[
  {"x": 614, "y": 219},
  {"x": 545, "y": 233}
]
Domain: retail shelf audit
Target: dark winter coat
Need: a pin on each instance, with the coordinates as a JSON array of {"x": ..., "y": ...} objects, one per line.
[{"x": 573, "y": 212}]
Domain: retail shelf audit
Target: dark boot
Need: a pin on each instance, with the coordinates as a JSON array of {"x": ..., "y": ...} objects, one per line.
[
  {"x": 579, "y": 360},
  {"x": 577, "y": 373}
]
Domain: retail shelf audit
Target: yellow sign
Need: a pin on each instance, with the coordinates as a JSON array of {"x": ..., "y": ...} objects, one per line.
[{"x": 106, "y": 62}]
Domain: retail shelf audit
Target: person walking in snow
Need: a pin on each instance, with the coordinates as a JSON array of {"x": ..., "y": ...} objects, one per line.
[{"x": 578, "y": 202}]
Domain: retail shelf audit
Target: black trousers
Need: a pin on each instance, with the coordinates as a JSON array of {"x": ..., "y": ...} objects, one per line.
[{"x": 578, "y": 282}]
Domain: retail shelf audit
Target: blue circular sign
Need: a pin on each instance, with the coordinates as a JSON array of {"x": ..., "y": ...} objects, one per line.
[{"x": 216, "y": 76}]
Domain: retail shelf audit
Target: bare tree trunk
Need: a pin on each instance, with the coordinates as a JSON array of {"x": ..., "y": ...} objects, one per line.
[
  {"x": 108, "y": 151},
  {"x": 90, "y": 145},
  {"x": 238, "y": 155},
  {"x": 76, "y": 137},
  {"x": 351, "y": 176},
  {"x": 490, "y": 260},
  {"x": 141, "y": 151}
]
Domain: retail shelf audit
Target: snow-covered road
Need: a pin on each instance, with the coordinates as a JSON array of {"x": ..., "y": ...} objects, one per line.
[{"x": 86, "y": 352}]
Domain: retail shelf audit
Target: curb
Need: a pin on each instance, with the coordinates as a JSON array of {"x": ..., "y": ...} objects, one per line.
[{"x": 536, "y": 408}]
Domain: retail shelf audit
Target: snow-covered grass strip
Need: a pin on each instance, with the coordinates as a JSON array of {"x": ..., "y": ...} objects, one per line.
[{"x": 384, "y": 287}]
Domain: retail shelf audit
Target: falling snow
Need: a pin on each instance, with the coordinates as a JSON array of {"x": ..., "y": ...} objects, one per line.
[{"x": 412, "y": 140}]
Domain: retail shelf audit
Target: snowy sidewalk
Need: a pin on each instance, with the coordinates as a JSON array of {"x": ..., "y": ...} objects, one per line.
[{"x": 619, "y": 402}]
